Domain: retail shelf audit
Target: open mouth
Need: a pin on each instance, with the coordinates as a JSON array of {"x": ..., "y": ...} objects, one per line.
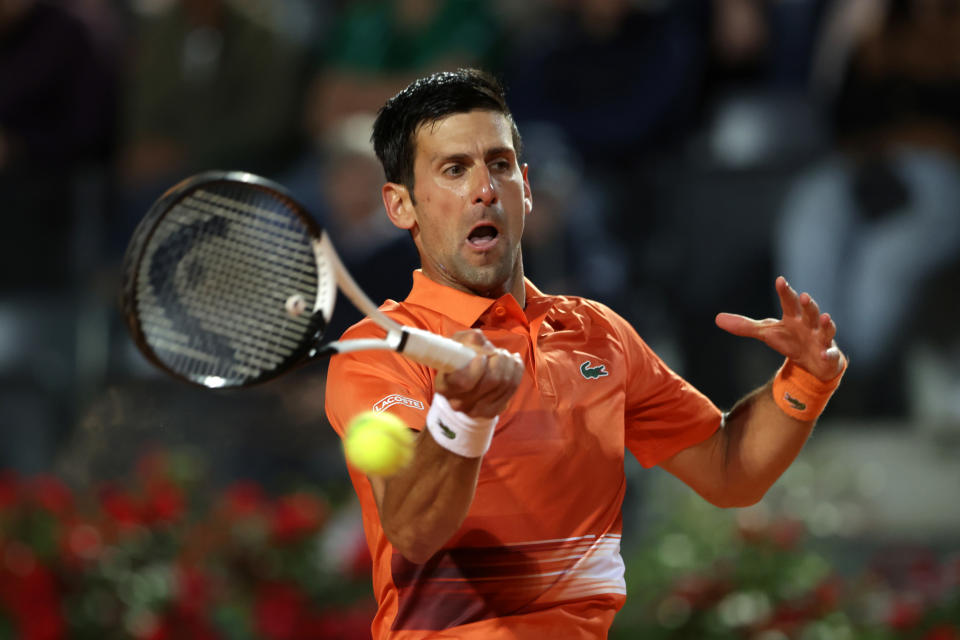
[{"x": 483, "y": 236}]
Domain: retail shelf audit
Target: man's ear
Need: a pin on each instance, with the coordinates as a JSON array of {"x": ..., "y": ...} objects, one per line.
[
  {"x": 399, "y": 205},
  {"x": 527, "y": 191}
]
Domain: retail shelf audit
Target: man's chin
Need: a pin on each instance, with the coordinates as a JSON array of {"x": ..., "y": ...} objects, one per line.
[{"x": 491, "y": 281}]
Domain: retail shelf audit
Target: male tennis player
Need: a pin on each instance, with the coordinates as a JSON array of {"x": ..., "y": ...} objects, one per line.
[{"x": 507, "y": 522}]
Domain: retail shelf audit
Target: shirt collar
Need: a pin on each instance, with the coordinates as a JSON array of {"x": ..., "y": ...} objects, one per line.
[{"x": 460, "y": 306}]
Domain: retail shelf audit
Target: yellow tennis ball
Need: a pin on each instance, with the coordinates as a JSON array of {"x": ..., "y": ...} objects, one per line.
[{"x": 378, "y": 443}]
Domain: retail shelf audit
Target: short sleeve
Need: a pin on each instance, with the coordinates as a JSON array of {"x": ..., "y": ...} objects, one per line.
[
  {"x": 376, "y": 381},
  {"x": 664, "y": 413}
]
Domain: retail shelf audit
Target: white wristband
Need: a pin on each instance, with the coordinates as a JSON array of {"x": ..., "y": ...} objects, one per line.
[{"x": 456, "y": 431}]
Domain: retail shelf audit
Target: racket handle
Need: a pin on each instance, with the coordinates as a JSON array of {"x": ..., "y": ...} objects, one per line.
[{"x": 442, "y": 354}]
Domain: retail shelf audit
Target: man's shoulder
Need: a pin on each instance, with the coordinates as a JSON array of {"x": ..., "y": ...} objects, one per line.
[
  {"x": 382, "y": 363},
  {"x": 367, "y": 328},
  {"x": 580, "y": 304}
]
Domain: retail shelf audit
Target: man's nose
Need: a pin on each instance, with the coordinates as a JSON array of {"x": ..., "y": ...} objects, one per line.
[{"x": 485, "y": 192}]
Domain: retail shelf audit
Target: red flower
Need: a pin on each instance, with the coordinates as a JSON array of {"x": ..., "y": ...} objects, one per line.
[
  {"x": 81, "y": 542},
  {"x": 51, "y": 494},
  {"x": 701, "y": 592},
  {"x": 164, "y": 503},
  {"x": 193, "y": 592},
  {"x": 360, "y": 562},
  {"x": 46, "y": 626},
  {"x": 827, "y": 595},
  {"x": 120, "y": 506},
  {"x": 350, "y": 624},
  {"x": 943, "y": 632},
  {"x": 296, "y": 516},
  {"x": 162, "y": 630},
  {"x": 278, "y": 611},
  {"x": 787, "y": 534},
  {"x": 175, "y": 627},
  {"x": 29, "y": 593},
  {"x": 904, "y": 613},
  {"x": 789, "y": 616},
  {"x": 242, "y": 500},
  {"x": 784, "y": 534}
]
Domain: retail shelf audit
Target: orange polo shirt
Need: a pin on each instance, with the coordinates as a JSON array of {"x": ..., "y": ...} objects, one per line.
[{"x": 538, "y": 555}]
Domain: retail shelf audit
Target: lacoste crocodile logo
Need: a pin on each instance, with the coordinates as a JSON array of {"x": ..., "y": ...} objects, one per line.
[
  {"x": 447, "y": 431},
  {"x": 796, "y": 404},
  {"x": 592, "y": 373}
]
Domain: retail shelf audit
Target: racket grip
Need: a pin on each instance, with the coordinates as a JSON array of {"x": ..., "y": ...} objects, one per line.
[{"x": 438, "y": 352}]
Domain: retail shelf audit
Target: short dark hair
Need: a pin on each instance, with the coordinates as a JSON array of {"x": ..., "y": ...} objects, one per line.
[{"x": 426, "y": 101}]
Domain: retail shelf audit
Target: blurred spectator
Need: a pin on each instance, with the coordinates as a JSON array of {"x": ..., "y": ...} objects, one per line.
[
  {"x": 565, "y": 245},
  {"x": 615, "y": 77},
  {"x": 377, "y": 47},
  {"x": 57, "y": 114},
  {"x": 868, "y": 227},
  {"x": 58, "y": 89},
  {"x": 377, "y": 254},
  {"x": 618, "y": 80},
  {"x": 212, "y": 84},
  {"x": 762, "y": 43}
]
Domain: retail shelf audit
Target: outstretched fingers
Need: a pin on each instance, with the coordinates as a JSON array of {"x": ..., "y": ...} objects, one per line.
[
  {"x": 810, "y": 310},
  {"x": 740, "y": 325},
  {"x": 828, "y": 330},
  {"x": 789, "y": 300},
  {"x": 812, "y": 332}
]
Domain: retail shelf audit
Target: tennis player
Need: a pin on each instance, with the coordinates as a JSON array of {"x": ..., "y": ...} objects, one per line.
[{"x": 507, "y": 522}]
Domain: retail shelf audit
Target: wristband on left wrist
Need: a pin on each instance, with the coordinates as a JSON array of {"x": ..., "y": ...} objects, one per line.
[{"x": 800, "y": 394}]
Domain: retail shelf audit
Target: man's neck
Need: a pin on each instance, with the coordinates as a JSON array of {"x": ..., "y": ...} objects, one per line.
[{"x": 515, "y": 286}]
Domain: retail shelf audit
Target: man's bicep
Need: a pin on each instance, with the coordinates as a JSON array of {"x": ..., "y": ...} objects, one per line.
[{"x": 379, "y": 381}]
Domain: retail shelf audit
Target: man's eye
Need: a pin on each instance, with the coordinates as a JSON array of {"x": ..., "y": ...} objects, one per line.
[{"x": 454, "y": 170}]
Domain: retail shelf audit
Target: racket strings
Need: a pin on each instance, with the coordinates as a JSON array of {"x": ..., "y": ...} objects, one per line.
[
  {"x": 214, "y": 280},
  {"x": 252, "y": 338},
  {"x": 260, "y": 241}
]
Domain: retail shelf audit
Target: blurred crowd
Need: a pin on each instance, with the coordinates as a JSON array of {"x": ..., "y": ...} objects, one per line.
[{"x": 682, "y": 154}]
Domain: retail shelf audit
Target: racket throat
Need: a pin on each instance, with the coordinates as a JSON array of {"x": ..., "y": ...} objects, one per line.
[{"x": 393, "y": 341}]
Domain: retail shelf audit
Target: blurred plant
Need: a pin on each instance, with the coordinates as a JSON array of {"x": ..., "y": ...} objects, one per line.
[
  {"x": 703, "y": 573},
  {"x": 158, "y": 558}
]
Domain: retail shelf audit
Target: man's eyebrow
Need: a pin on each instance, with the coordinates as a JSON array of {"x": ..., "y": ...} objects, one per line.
[
  {"x": 454, "y": 157},
  {"x": 464, "y": 157},
  {"x": 501, "y": 151}
]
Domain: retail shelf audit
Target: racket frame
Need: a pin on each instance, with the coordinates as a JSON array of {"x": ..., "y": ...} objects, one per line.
[{"x": 422, "y": 346}]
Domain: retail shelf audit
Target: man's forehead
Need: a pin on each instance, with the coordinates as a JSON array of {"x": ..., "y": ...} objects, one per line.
[{"x": 486, "y": 127}]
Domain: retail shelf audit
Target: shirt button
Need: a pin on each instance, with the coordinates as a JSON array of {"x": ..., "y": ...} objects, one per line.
[{"x": 499, "y": 311}]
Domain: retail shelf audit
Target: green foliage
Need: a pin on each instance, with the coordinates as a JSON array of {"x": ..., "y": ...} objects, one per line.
[{"x": 702, "y": 573}]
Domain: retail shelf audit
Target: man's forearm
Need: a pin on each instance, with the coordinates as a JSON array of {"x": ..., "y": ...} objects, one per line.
[
  {"x": 424, "y": 504},
  {"x": 759, "y": 441}
]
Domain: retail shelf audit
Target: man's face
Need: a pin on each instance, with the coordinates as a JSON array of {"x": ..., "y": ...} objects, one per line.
[{"x": 471, "y": 200}]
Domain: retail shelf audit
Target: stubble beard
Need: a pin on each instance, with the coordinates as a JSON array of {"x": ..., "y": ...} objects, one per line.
[{"x": 489, "y": 280}]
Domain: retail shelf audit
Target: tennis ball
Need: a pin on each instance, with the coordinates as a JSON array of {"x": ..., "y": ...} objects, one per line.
[{"x": 378, "y": 443}]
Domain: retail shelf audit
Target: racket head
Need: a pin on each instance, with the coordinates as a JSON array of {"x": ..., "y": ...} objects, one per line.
[{"x": 209, "y": 275}]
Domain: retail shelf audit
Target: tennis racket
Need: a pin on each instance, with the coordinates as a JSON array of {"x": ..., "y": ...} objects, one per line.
[{"x": 228, "y": 282}]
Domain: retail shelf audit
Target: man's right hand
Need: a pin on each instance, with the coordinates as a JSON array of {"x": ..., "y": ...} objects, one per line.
[{"x": 483, "y": 387}]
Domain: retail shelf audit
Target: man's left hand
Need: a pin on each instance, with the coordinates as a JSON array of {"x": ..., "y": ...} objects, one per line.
[{"x": 803, "y": 334}]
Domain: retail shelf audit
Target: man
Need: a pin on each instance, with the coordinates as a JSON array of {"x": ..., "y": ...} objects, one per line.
[{"x": 507, "y": 523}]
